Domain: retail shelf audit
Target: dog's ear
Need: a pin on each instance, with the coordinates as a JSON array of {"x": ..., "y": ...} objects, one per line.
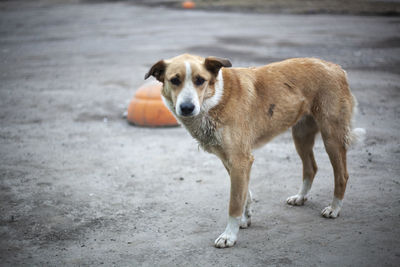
[
  {"x": 157, "y": 70},
  {"x": 214, "y": 64}
]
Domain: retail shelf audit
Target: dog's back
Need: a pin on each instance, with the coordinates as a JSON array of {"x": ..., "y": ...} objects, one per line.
[{"x": 272, "y": 98}]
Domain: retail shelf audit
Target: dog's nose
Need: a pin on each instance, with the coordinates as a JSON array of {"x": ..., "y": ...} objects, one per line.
[{"x": 186, "y": 108}]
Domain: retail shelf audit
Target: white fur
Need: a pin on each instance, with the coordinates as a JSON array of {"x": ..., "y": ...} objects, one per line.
[
  {"x": 229, "y": 236},
  {"x": 305, "y": 187},
  {"x": 301, "y": 197},
  {"x": 355, "y": 136},
  {"x": 168, "y": 103},
  {"x": 333, "y": 210},
  {"x": 188, "y": 93},
  {"x": 211, "y": 102},
  {"x": 359, "y": 134},
  {"x": 245, "y": 221}
]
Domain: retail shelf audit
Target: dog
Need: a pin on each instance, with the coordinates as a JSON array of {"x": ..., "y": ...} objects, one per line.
[{"x": 231, "y": 111}]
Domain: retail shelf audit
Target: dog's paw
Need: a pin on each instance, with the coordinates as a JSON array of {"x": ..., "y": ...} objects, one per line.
[
  {"x": 245, "y": 221},
  {"x": 330, "y": 212},
  {"x": 229, "y": 236},
  {"x": 296, "y": 200},
  {"x": 226, "y": 240}
]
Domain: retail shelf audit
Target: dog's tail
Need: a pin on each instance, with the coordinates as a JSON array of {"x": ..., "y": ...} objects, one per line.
[{"x": 355, "y": 135}]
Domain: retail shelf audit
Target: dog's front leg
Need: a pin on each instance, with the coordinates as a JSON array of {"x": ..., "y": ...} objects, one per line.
[{"x": 239, "y": 170}]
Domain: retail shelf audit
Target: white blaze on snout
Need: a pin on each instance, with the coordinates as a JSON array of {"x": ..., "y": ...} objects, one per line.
[{"x": 188, "y": 93}]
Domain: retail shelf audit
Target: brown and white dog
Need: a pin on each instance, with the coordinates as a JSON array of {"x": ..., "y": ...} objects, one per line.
[{"x": 231, "y": 111}]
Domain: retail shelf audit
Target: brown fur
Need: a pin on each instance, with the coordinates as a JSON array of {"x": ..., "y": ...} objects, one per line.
[{"x": 308, "y": 94}]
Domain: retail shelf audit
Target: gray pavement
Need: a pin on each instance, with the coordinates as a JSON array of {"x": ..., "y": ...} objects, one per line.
[{"x": 80, "y": 186}]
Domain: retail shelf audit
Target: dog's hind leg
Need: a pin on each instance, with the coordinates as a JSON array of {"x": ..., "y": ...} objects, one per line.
[
  {"x": 336, "y": 134},
  {"x": 304, "y": 133},
  {"x": 336, "y": 149}
]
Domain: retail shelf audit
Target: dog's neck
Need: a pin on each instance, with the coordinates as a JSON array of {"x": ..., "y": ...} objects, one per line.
[
  {"x": 203, "y": 127},
  {"x": 214, "y": 100}
]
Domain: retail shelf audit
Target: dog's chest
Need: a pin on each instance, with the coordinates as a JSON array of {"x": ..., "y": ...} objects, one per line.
[{"x": 204, "y": 129}]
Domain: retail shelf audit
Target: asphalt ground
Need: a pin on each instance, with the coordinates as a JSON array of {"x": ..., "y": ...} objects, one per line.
[{"x": 80, "y": 186}]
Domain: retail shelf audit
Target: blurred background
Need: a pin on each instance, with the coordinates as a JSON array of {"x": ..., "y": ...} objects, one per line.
[{"x": 81, "y": 186}]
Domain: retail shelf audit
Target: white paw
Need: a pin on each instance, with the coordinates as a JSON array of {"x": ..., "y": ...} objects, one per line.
[
  {"x": 229, "y": 236},
  {"x": 333, "y": 210},
  {"x": 245, "y": 220},
  {"x": 330, "y": 212},
  {"x": 296, "y": 200},
  {"x": 225, "y": 240}
]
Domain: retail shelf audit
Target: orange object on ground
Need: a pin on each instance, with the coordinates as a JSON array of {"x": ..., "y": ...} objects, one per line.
[
  {"x": 188, "y": 4},
  {"x": 148, "y": 109}
]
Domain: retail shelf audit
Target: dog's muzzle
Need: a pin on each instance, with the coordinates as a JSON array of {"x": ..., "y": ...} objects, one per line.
[{"x": 186, "y": 108}]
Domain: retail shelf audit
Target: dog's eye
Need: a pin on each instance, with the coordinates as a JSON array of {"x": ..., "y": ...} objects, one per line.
[
  {"x": 175, "y": 81},
  {"x": 199, "y": 81}
]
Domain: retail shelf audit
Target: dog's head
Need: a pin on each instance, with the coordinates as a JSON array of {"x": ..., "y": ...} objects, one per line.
[{"x": 188, "y": 81}]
